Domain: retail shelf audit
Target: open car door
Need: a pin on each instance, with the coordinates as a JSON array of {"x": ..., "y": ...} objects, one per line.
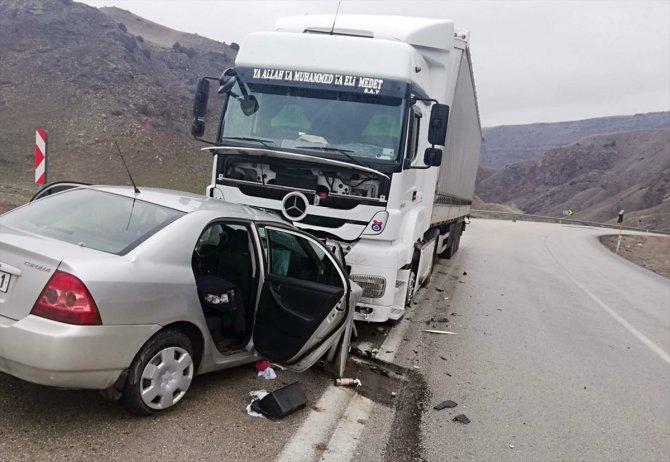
[{"x": 306, "y": 304}]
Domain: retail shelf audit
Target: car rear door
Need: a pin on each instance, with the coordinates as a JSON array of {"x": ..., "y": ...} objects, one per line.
[{"x": 304, "y": 307}]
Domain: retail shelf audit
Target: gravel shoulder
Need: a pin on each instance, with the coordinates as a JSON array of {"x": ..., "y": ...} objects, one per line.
[{"x": 651, "y": 252}]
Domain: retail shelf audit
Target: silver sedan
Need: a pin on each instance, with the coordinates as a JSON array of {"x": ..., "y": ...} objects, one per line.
[{"x": 135, "y": 293}]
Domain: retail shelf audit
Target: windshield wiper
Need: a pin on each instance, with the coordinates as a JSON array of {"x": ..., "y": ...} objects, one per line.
[
  {"x": 344, "y": 152},
  {"x": 245, "y": 138}
]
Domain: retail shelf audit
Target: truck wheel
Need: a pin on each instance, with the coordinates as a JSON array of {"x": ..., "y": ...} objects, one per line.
[{"x": 160, "y": 375}]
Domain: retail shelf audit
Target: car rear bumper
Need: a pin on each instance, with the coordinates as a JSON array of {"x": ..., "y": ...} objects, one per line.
[{"x": 52, "y": 353}]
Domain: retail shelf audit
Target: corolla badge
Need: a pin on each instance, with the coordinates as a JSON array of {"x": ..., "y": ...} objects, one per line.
[{"x": 294, "y": 206}]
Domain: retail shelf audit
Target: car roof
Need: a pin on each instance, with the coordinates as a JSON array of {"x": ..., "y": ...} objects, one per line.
[{"x": 190, "y": 202}]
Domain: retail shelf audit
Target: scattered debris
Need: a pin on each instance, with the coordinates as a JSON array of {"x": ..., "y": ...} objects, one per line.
[
  {"x": 499, "y": 309},
  {"x": 511, "y": 446},
  {"x": 415, "y": 366},
  {"x": 462, "y": 418},
  {"x": 264, "y": 369},
  {"x": 448, "y": 374},
  {"x": 320, "y": 446},
  {"x": 255, "y": 396},
  {"x": 439, "y": 290},
  {"x": 315, "y": 408},
  {"x": 362, "y": 421},
  {"x": 442, "y": 320},
  {"x": 462, "y": 282},
  {"x": 445, "y": 404},
  {"x": 393, "y": 393},
  {"x": 443, "y": 358},
  {"x": 279, "y": 403},
  {"x": 465, "y": 273},
  {"x": 348, "y": 383},
  {"x": 433, "y": 331}
]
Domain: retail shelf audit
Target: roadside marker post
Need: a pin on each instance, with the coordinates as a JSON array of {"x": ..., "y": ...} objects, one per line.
[
  {"x": 620, "y": 221},
  {"x": 41, "y": 157}
]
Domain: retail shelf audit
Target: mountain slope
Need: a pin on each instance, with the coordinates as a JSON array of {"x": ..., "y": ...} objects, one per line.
[
  {"x": 75, "y": 71},
  {"x": 596, "y": 176},
  {"x": 508, "y": 144}
]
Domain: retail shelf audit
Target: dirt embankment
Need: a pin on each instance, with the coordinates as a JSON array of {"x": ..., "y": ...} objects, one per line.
[{"x": 651, "y": 252}]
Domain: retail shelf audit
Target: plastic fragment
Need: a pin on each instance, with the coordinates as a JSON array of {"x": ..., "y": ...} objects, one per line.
[
  {"x": 445, "y": 404},
  {"x": 462, "y": 418},
  {"x": 433, "y": 331}
]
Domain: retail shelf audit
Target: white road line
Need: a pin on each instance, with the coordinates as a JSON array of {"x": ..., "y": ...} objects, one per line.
[
  {"x": 617, "y": 317},
  {"x": 339, "y": 434},
  {"x": 390, "y": 346},
  {"x": 317, "y": 427},
  {"x": 344, "y": 441}
]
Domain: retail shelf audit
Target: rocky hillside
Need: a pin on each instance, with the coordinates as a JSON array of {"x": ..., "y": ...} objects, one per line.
[
  {"x": 508, "y": 144},
  {"x": 90, "y": 80},
  {"x": 595, "y": 176}
]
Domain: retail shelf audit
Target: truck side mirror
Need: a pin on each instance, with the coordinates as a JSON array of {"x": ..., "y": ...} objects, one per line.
[
  {"x": 437, "y": 130},
  {"x": 201, "y": 98},
  {"x": 227, "y": 80},
  {"x": 432, "y": 157}
]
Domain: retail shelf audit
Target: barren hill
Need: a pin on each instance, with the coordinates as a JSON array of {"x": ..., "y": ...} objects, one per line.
[
  {"x": 596, "y": 176},
  {"x": 508, "y": 144},
  {"x": 87, "y": 79}
]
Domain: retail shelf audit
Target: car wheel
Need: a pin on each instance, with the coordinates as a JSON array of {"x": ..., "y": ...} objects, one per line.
[{"x": 160, "y": 374}]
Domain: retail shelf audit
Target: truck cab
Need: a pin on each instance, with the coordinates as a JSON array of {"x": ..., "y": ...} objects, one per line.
[{"x": 344, "y": 131}]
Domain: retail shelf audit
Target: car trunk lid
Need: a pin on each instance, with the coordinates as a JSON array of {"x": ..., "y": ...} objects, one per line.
[{"x": 25, "y": 269}]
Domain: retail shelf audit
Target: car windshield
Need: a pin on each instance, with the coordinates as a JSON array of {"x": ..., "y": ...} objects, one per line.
[
  {"x": 94, "y": 219},
  {"x": 338, "y": 123}
]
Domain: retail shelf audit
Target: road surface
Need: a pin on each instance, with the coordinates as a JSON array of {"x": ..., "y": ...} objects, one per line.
[{"x": 560, "y": 352}]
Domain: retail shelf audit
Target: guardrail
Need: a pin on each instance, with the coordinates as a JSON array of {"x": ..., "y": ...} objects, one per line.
[{"x": 561, "y": 220}]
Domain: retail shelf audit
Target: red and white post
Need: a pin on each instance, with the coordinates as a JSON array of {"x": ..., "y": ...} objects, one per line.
[{"x": 41, "y": 157}]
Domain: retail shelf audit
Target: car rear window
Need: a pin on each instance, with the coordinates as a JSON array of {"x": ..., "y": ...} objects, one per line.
[{"x": 94, "y": 219}]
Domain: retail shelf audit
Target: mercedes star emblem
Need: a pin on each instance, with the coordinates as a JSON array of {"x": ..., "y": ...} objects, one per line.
[{"x": 294, "y": 206}]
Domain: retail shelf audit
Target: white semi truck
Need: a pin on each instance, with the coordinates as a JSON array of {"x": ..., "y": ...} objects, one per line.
[{"x": 364, "y": 130}]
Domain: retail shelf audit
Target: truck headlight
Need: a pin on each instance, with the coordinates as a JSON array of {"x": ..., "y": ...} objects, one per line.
[{"x": 373, "y": 286}]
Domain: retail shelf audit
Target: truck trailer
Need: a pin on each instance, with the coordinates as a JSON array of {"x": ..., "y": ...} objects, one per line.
[{"x": 364, "y": 130}]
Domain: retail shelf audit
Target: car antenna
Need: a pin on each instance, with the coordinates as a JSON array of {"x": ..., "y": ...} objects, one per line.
[
  {"x": 137, "y": 191},
  {"x": 332, "y": 29}
]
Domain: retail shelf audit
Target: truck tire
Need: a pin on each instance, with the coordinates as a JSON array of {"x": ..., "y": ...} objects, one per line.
[{"x": 451, "y": 249}]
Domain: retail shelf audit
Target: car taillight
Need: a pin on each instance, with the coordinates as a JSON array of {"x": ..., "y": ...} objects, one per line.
[{"x": 66, "y": 299}]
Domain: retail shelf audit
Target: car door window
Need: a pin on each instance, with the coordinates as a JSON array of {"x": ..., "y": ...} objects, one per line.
[{"x": 297, "y": 257}]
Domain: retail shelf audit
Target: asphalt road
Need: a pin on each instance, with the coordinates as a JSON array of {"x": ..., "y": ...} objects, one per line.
[
  {"x": 40, "y": 423},
  {"x": 561, "y": 350}
]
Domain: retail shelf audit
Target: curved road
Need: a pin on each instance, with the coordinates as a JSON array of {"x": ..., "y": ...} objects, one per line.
[{"x": 561, "y": 353}]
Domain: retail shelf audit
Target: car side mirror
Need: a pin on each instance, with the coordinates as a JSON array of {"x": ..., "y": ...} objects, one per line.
[
  {"x": 201, "y": 98},
  {"x": 432, "y": 157},
  {"x": 437, "y": 129}
]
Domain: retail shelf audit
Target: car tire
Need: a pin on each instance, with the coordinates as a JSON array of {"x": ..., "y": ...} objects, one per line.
[{"x": 160, "y": 375}]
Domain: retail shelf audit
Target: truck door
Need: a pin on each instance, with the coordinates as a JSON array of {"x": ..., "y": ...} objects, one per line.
[{"x": 304, "y": 307}]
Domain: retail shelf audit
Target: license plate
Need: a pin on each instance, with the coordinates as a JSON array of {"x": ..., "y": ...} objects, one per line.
[{"x": 4, "y": 281}]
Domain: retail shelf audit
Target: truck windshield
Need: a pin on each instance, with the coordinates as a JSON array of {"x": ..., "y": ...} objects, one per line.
[{"x": 323, "y": 122}]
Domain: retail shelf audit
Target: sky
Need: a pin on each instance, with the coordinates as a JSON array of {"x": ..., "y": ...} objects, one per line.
[{"x": 534, "y": 61}]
